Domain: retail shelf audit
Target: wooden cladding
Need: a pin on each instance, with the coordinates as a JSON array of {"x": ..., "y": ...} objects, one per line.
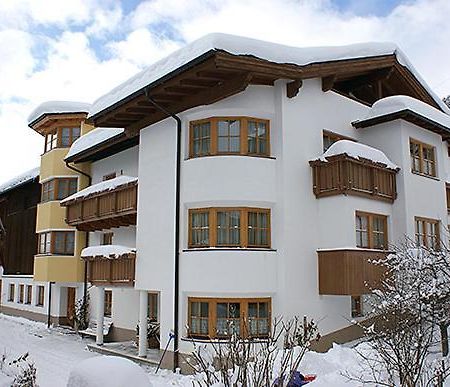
[
  {"x": 343, "y": 175},
  {"x": 119, "y": 272},
  {"x": 105, "y": 210},
  {"x": 349, "y": 272}
]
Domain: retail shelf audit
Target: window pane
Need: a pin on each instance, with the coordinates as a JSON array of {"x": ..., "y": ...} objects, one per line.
[
  {"x": 65, "y": 137},
  {"x": 201, "y": 136},
  {"x": 200, "y": 228},
  {"x": 73, "y": 185},
  {"x": 75, "y": 134},
  {"x": 228, "y": 227},
  {"x": 222, "y": 144},
  {"x": 235, "y": 144}
]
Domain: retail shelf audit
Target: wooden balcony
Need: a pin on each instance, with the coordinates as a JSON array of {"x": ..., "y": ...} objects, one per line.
[
  {"x": 349, "y": 272},
  {"x": 104, "y": 210},
  {"x": 112, "y": 272},
  {"x": 344, "y": 175}
]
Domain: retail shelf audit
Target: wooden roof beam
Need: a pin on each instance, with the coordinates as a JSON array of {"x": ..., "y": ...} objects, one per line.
[
  {"x": 292, "y": 88},
  {"x": 328, "y": 82}
]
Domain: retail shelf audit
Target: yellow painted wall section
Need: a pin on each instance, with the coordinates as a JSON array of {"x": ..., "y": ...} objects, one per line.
[
  {"x": 50, "y": 215},
  {"x": 58, "y": 269}
]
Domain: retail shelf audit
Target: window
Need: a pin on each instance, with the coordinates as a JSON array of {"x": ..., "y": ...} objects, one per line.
[
  {"x": 219, "y": 318},
  {"x": 29, "y": 294},
  {"x": 64, "y": 242},
  {"x": 427, "y": 233},
  {"x": 109, "y": 176},
  {"x": 447, "y": 190},
  {"x": 229, "y": 135},
  {"x": 371, "y": 231},
  {"x": 108, "y": 303},
  {"x": 21, "y": 293},
  {"x": 61, "y": 138},
  {"x": 58, "y": 189},
  {"x": 357, "y": 306},
  {"x": 40, "y": 297},
  {"x": 107, "y": 238},
  {"x": 12, "y": 289},
  {"x": 57, "y": 242},
  {"x": 329, "y": 138},
  {"x": 423, "y": 158},
  {"x": 152, "y": 306},
  {"x": 229, "y": 227}
]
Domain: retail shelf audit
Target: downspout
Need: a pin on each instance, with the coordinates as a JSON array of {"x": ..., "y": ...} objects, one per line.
[
  {"x": 177, "y": 230},
  {"x": 49, "y": 316},
  {"x": 87, "y": 235}
]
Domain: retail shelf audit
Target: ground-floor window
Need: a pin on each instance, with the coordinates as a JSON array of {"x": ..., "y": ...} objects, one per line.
[
  {"x": 152, "y": 306},
  {"x": 29, "y": 294},
  {"x": 40, "y": 296},
  {"x": 21, "y": 293},
  {"x": 427, "y": 232},
  {"x": 108, "y": 303},
  {"x": 12, "y": 289},
  {"x": 220, "y": 317}
]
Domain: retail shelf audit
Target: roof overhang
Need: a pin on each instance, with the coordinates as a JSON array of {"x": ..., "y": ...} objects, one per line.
[
  {"x": 407, "y": 115},
  {"x": 48, "y": 121},
  {"x": 217, "y": 74}
]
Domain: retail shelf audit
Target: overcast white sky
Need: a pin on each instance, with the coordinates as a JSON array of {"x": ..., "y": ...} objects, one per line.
[{"x": 80, "y": 49}]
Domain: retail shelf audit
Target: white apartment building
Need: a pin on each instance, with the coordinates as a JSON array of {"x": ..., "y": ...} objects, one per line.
[{"x": 267, "y": 178}]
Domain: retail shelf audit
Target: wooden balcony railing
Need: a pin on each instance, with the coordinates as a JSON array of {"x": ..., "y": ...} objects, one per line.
[
  {"x": 112, "y": 272},
  {"x": 104, "y": 210},
  {"x": 349, "y": 272},
  {"x": 343, "y": 175}
]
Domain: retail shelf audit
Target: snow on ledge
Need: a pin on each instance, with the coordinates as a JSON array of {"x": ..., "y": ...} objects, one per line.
[
  {"x": 107, "y": 251},
  {"x": 399, "y": 103},
  {"x": 58, "y": 107},
  {"x": 357, "y": 151},
  {"x": 238, "y": 45},
  {"x": 19, "y": 180},
  {"x": 107, "y": 185},
  {"x": 91, "y": 139}
]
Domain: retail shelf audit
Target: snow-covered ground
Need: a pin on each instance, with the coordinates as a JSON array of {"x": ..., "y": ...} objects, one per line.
[{"x": 57, "y": 351}]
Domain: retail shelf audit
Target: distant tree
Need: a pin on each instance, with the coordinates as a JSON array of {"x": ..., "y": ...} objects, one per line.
[{"x": 447, "y": 100}]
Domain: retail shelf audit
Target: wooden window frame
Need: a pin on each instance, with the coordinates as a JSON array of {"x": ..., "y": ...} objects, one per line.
[
  {"x": 52, "y": 243},
  {"x": 335, "y": 136},
  {"x": 213, "y": 144},
  {"x": 57, "y": 184},
  {"x": 40, "y": 295},
  {"x": 11, "y": 292},
  {"x": 447, "y": 193},
  {"x": 56, "y": 136},
  {"x": 425, "y": 221},
  {"x": 107, "y": 311},
  {"x": 370, "y": 230},
  {"x": 29, "y": 294},
  {"x": 244, "y": 211},
  {"x": 212, "y": 317},
  {"x": 421, "y": 159},
  {"x": 107, "y": 238}
]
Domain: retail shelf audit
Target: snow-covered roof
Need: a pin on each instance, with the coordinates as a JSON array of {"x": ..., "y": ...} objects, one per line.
[
  {"x": 357, "y": 151},
  {"x": 58, "y": 107},
  {"x": 400, "y": 103},
  {"x": 107, "y": 251},
  {"x": 92, "y": 139},
  {"x": 19, "y": 180},
  {"x": 107, "y": 185},
  {"x": 238, "y": 45}
]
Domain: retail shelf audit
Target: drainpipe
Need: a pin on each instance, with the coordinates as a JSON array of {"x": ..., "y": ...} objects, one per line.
[
  {"x": 87, "y": 234},
  {"x": 177, "y": 230},
  {"x": 49, "y": 316}
]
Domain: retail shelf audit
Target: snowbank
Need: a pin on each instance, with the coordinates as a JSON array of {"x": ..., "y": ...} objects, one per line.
[
  {"x": 357, "y": 151},
  {"x": 19, "y": 180},
  {"x": 245, "y": 46},
  {"x": 58, "y": 107},
  {"x": 108, "y": 371},
  {"x": 107, "y": 185},
  {"x": 107, "y": 251},
  {"x": 399, "y": 103},
  {"x": 91, "y": 139}
]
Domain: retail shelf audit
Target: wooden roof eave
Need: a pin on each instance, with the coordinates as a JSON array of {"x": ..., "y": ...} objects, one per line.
[
  {"x": 48, "y": 120},
  {"x": 407, "y": 115}
]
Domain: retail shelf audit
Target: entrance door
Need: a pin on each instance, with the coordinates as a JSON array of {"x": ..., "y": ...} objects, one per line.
[{"x": 71, "y": 305}]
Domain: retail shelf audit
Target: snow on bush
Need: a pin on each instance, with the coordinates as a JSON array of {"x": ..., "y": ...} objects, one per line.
[{"x": 108, "y": 371}]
